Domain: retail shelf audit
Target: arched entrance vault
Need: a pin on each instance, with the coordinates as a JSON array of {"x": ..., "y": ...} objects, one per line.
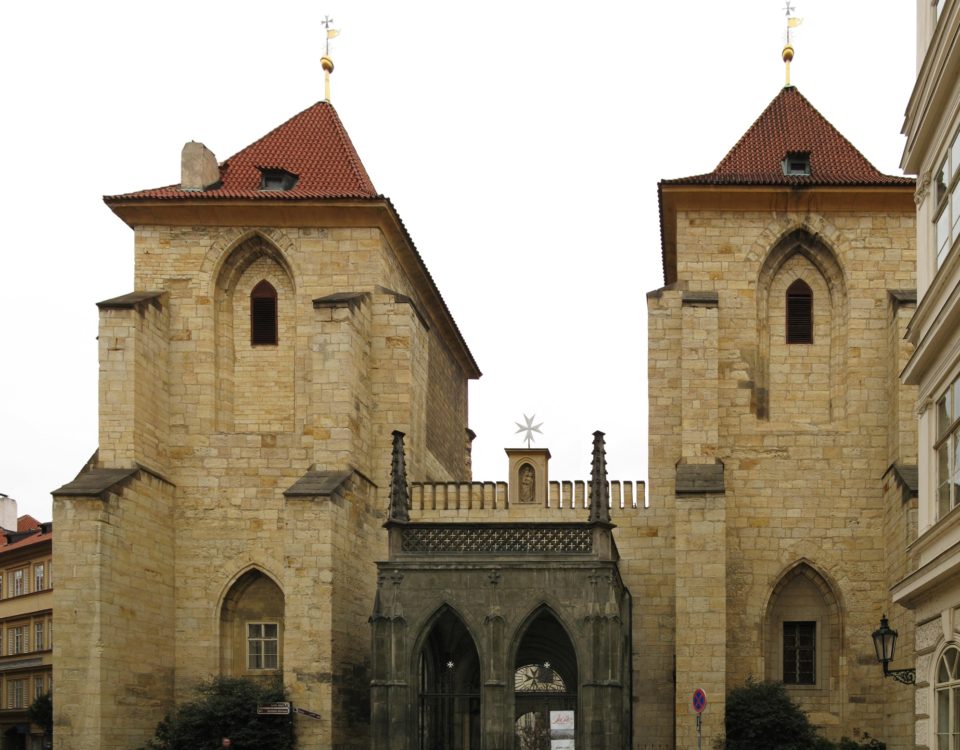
[
  {"x": 545, "y": 683},
  {"x": 448, "y": 686},
  {"x": 492, "y": 635}
]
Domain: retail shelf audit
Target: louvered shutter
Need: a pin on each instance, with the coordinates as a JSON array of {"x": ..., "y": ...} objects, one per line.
[{"x": 799, "y": 313}]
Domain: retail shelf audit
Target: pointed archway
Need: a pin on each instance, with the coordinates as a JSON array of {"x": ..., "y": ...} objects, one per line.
[
  {"x": 448, "y": 700},
  {"x": 545, "y": 681}
]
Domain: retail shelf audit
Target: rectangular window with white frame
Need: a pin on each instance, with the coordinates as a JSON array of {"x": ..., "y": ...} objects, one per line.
[
  {"x": 16, "y": 693},
  {"x": 38, "y": 635},
  {"x": 263, "y": 645},
  {"x": 17, "y": 640},
  {"x": 946, "y": 193},
  {"x": 947, "y": 449},
  {"x": 38, "y": 577},
  {"x": 18, "y": 587}
]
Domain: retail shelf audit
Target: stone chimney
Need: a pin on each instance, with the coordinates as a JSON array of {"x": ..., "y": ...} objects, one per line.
[
  {"x": 8, "y": 513},
  {"x": 198, "y": 167}
]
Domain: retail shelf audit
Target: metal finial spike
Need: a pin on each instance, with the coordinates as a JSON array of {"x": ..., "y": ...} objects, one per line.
[
  {"x": 599, "y": 490},
  {"x": 792, "y": 23},
  {"x": 399, "y": 497},
  {"x": 326, "y": 62}
]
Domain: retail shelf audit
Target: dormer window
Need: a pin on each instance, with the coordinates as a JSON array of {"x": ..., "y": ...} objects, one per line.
[
  {"x": 277, "y": 179},
  {"x": 796, "y": 164}
]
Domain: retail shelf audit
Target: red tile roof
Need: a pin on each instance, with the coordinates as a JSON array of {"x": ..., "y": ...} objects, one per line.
[
  {"x": 312, "y": 145},
  {"x": 790, "y": 124},
  {"x": 27, "y": 523},
  {"x": 28, "y": 541}
]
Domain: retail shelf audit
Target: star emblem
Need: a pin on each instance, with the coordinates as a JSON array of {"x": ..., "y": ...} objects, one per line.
[{"x": 529, "y": 428}]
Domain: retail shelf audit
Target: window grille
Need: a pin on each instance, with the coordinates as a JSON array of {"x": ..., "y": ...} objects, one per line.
[
  {"x": 263, "y": 314},
  {"x": 799, "y": 313},
  {"x": 799, "y": 653}
]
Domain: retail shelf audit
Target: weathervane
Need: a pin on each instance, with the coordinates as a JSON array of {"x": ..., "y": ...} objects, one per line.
[
  {"x": 326, "y": 62},
  {"x": 529, "y": 428},
  {"x": 792, "y": 23}
]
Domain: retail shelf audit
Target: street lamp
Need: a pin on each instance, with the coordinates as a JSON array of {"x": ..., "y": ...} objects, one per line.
[{"x": 885, "y": 643}]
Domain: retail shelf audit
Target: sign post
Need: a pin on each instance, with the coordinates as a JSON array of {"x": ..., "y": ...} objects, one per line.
[
  {"x": 699, "y": 705},
  {"x": 273, "y": 709},
  {"x": 305, "y": 712}
]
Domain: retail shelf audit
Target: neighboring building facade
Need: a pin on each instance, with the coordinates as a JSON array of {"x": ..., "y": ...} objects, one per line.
[
  {"x": 26, "y": 625},
  {"x": 780, "y": 436},
  {"x": 932, "y": 590}
]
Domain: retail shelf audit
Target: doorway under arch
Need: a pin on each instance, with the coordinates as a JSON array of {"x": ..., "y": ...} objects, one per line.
[
  {"x": 545, "y": 682},
  {"x": 448, "y": 701}
]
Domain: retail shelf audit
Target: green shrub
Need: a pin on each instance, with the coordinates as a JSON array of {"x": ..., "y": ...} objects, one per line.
[
  {"x": 227, "y": 707},
  {"x": 40, "y": 712},
  {"x": 763, "y": 715}
]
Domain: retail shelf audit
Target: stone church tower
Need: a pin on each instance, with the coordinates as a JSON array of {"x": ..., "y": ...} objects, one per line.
[
  {"x": 779, "y": 434},
  {"x": 282, "y": 325}
]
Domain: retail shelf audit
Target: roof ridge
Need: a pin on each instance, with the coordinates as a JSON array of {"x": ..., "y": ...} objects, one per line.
[
  {"x": 837, "y": 131},
  {"x": 264, "y": 137},
  {"x": 790, "y": 124},
  {"x": 313, "y": 144},
  {"x": 360, "y": 171}
]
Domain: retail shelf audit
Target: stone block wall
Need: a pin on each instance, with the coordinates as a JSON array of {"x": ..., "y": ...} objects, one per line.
[
  {"x": 134, "y": 401},
  {"x": 804, "y": 435},
  {"x": 113, "y": 653},
  {"x": 232, "y": 427}
]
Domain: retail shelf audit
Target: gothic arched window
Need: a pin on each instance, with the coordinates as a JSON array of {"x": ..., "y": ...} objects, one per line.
[
  {"x": 263, "y": 314},
  {"x": 799, "y": 313}
]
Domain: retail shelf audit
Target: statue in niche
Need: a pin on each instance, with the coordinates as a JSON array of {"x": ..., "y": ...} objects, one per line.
[{"x": 528, "y": 484}]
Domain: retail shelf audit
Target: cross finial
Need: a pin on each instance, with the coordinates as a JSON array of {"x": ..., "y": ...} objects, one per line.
[
  {"x": 529, "y": 428},
  {"x": 788, "y": 8},
  {"x": 327, "y": 21}
]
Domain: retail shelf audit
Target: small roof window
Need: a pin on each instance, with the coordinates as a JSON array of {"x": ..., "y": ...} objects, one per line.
[
  {"x": 276, "y": 179},
  {"x": 796, "y": 163}
]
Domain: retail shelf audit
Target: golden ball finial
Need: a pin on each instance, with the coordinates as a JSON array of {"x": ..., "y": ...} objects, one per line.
[
  {"x": 788, "y": 54},
  {"x": 327, "y": 64}
]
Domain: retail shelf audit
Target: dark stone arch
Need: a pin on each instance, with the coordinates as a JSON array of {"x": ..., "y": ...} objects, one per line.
[
  {"x": 545, "y": 673},
  {"x": 448, "y": 675}
]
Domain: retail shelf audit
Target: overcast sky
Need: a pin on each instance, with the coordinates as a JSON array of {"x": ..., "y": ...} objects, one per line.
[{"x": 521, "y": 143}]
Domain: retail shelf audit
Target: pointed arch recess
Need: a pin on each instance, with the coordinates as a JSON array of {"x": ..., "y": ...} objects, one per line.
[
  {"x": 805, "y": 256},
  {"x": 449, "y": 676},
  {"x": 251, "y": 622},
  {"x": 804, "y": 593},
  {"x": 555, "y": 644},
  {"x": 255, "y": 384}
]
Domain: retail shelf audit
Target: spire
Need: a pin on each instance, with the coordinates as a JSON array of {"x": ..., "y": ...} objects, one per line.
[
  {"x": 399, "y": 498},
  {"x": 599, "y": 491},
  {"x": 326, "y": 62}
]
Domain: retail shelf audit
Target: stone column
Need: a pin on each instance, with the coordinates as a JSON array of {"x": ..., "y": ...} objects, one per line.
[{"x": 339, "y": 418}]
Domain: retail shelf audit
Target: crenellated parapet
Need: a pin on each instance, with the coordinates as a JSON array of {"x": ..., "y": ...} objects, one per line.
[{"x": 495, "y": 498}]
